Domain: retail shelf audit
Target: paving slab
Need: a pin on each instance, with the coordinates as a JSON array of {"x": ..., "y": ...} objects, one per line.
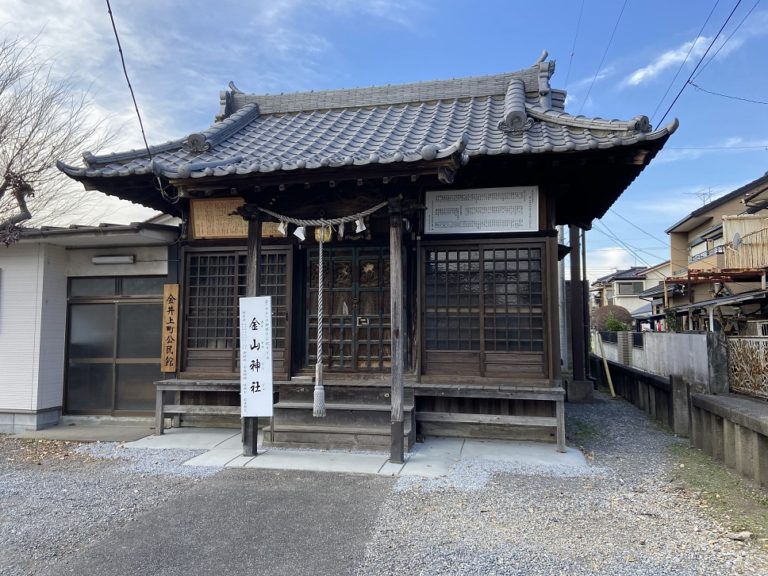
[
  {"x": 238, "y": 462},
  {"x": 319, "y": 461},
  {"x": 533, "y": 453},
  {"x": 187, "y": 438},
  {"x": 219, "y": 457},
  {"x": 91, "y": 432},
  {"x": 433, "y": 457}
]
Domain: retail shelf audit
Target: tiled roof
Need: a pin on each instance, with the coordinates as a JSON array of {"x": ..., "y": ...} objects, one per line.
[
  {"x": 634, "y": 273},
  {"x": 513, "y": 113}
]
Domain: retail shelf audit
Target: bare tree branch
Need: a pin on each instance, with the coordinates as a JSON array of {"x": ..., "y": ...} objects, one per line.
[{"x": 42, "y": 119}]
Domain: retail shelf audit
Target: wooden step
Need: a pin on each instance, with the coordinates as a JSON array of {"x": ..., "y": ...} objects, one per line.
[
  {"x": 357, "y": 394},
  {"x": 341, "y": 406},
  {"x": 342, "y": 415},
  {"x": 208, "y": 410},
  {"x": 546, "y": 421},
  {"x": 335, "y": 437}
]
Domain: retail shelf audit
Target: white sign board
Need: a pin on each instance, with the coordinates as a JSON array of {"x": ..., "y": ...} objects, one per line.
[
  {"x": 482, "y": 210},
  {"x": 256, "y": 356}
]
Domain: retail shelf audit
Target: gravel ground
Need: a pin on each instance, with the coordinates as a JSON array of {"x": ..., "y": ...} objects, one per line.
[
  {"x": 56, "y": 497},
  {"x": 622, "y": 516}
]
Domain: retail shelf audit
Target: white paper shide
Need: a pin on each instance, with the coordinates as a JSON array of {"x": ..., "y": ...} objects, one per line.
[{"x": 256, "y": 356}]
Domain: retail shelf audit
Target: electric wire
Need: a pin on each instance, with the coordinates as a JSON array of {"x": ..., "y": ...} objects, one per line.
[
  {"x": 703, "y": 56},
  {"x": 730, "y": 97},
  {"x": 573, "y": 46},
  {"x": 682, "y": 64},
  {"x": 636, "y": 226},
  {"x": 707, "y": 63},
  {"x": 755, "y": 147},
  {"x": 174, "y": 199},
  {"x": 605, "y": 53}
]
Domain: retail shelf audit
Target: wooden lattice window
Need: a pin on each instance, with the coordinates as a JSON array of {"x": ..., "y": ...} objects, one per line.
[
  {"x": 452, "y": 317},
  {"x": 212, "y": 306},
  {"x": 483, "y": 310},
  {"x": 215, "y": 281},
  {"x": 513, "y": 297}
]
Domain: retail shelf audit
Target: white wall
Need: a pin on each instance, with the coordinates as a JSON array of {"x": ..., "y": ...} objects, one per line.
[
  {"x": 150, "y": 260},
  {"x": 669, "y": 354},
  {"x": 33, "y": 292},
  {"x": 20, "y": 295},
  {"x": 683, "y": 355},
  {"x": 53, "y": 328}
]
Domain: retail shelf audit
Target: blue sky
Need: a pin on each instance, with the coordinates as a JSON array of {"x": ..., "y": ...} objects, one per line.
[{"x": 180, "y": 54}]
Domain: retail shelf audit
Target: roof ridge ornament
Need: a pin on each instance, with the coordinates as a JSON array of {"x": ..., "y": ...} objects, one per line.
[
  {"x": 196, "y": 143},
  {"x": 515, "y": 117}
]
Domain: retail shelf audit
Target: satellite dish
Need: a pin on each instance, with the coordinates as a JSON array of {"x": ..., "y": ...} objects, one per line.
[{"x": 736, "y": 241}]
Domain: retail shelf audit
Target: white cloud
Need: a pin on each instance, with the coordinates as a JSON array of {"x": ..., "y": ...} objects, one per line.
[
  {"x": 667, "y": 60},
  {"x": 757, "y": 25},
  {"x": 603, "y": 261}
]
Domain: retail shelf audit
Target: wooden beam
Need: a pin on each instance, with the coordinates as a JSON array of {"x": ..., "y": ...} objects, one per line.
[
  {"x": 578, "y": 345},
  {"x": 396, "y": 331},
  {"x": 252, "y": 288}
]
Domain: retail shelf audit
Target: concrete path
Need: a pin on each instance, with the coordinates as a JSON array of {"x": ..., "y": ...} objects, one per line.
[
  {"x": 431, "y": 458},
  {"x": 245, "y": 522},
  {"x": 95, "y": 429}
]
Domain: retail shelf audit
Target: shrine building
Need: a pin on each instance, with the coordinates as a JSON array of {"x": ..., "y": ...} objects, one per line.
[{"x": 436, "y": 206}]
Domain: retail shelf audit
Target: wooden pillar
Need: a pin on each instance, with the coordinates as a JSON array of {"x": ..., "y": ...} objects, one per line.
[
  {"x": 396, "y": 319},
  {"x": 250, "y": 425},
  {"x": 578, "y": 346}
]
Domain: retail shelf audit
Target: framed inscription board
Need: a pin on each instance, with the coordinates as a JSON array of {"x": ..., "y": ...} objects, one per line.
[
  {"x": 482, "y": 210},
  {"x": 213, "y": 218}
]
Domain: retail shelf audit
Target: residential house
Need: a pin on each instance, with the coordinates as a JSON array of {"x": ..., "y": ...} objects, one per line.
[
  {"x": 79, "y": 328},
  {"x": 626, "y": 288},
  {"x": 719, "y": 257}
]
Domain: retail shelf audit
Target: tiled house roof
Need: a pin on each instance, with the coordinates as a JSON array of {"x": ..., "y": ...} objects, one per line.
[
  {"x": 505, "y": 114},
  {"x": 634, "y": 273}
]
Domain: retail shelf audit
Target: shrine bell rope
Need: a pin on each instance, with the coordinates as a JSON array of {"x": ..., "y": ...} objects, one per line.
[{"x": 318, "y": 407}]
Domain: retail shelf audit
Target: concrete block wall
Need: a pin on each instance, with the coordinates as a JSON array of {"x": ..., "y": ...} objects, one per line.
[
  {"x": 734, "y": 430},
  {"x": 650, "y": 393},
  {"x": 699, "y": 358}
]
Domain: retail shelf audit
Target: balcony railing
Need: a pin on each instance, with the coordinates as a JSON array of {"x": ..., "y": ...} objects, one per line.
[{"x": 707, "y": 254}]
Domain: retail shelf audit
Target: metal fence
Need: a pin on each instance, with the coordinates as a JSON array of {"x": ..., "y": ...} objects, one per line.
[
  {"x": 748, "y": 366},
  {"x": 611, "y": 337}
]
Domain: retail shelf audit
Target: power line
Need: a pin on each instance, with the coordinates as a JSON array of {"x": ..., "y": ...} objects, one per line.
[
  {"x": 759, "y": 146},
  {"x": 160, "y": 187},
  {"x": 692, "y": 83},
  {"x": 693, "y": 44},
  {"x": 637, "y": 227},
  {"x": 700, "y": 61},
  {"x": 573, "y": 46},
  {"x": 605, "y": 53},
  {"x": 707, "y": 63},
  {"x": 632, "y": 250}
]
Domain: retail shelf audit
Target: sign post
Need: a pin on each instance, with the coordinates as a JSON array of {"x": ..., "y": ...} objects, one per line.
[
  {"x": 170, "y": 328},
  {"x": 256, "y": 357}
]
